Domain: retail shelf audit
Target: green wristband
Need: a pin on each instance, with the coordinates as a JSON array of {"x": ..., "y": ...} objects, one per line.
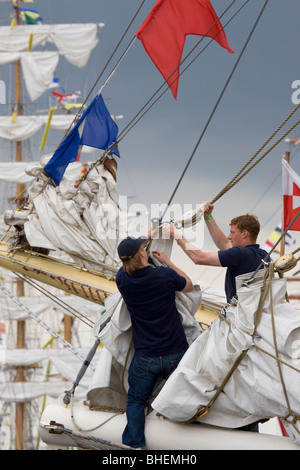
[{"x": 209, "y": 217}]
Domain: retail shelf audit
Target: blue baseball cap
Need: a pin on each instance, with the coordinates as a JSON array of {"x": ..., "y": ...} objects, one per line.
[{"x": 130, "y": 246}]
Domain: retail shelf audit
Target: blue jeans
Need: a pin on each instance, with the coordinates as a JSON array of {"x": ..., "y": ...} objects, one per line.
[{"x": 142, "y": 376}]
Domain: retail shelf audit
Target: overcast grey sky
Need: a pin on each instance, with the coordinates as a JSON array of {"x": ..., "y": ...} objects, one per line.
[{"x": 156, "y": 150}]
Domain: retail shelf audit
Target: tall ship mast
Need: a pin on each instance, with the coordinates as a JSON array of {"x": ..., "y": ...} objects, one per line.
[
  {"x": 61, "y": 240},
  {"x": 35, "y": 106}
]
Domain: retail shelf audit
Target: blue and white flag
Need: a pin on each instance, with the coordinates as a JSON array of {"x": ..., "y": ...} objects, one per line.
[{"x": 95, "y": 128}]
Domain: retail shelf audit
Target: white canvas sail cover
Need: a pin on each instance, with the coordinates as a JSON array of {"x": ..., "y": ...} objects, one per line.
[
  {"x": 106, "y": 387},
  {"x": 255, "y": 390},
  {"x": 86, "y": 222}
]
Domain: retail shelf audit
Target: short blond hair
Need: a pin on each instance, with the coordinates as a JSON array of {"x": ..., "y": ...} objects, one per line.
[{"x": 131, "y": 265}]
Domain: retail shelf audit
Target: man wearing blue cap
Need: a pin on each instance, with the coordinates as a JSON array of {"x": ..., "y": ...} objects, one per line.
[{"x": 158, "y": 335}]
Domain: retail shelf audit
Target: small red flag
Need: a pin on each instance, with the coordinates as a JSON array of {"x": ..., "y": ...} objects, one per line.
[
  {"x": 291, "y": 196},
  {"x": 163, "y": 33}
]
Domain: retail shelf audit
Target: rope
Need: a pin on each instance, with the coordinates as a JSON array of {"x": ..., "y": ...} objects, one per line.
[
  {"x": 128, "y": 128},
  {"x": 141, "y": 114},
  {"x": 58, "y": 301},
  {"x": 216, "y": 105},
  {"x": 106, "y": 65},
  {"x": 43, "y": 324},
  {"x": 243, "y": 173}
]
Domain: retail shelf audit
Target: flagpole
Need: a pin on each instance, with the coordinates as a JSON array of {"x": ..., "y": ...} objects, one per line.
[{"x": 282, "y": 242}]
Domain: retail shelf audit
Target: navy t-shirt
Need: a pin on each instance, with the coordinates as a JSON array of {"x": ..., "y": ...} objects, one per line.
[
  {"x": 149, "y": 294},
  {"x": 239, "y": 260}
]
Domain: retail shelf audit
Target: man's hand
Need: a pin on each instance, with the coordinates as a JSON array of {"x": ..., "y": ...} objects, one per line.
[
  {"x": 208, "y": 208},
  {"x": 161, "y": 256},
  {"x": 169, "y": 231}
]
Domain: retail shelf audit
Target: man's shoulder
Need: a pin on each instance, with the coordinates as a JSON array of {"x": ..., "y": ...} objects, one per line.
[
  {"x": 233, "y": 256},
  {"x": 120, "y": 274}
]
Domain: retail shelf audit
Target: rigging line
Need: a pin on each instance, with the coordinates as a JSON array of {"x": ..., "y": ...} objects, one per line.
[
  {"x": 43, "y": 324},
  {"x": 121, "y": 136},
  {"x": 58, "y": 301},
  {"x": 108, "y": 62},
  {"x": 215, "y": 107},
  {"x": 117, "y": 65},
  {"x": 180, "y": 74},
  {"x": 116, "y": 48},
  {"x": 235, "y": 180}
]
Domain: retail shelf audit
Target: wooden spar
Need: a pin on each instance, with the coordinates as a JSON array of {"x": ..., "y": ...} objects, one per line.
[
  {"x": 89, "y": 284},
  {"x": 71, "y": 278}
]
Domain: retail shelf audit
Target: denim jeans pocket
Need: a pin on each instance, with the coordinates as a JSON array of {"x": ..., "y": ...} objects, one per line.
[
  {"x": 174, "y": 363},
  {"x": 141, "y": 366}
]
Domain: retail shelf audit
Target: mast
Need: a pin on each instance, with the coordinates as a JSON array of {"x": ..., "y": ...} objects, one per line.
[{"x": 21, "y": 330}]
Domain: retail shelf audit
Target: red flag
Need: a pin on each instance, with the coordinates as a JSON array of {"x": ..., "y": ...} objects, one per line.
[
  {"x": 164, "y": 30},
  {"x": 291, "y": 196}
]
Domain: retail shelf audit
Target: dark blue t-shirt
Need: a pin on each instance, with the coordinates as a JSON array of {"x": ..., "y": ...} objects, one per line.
[
  {"x": 149, "y": 294},
  {"x": 239, "y": 260}
]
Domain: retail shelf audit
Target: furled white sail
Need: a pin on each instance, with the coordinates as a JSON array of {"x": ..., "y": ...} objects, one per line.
[
  {"x": 86, "y": 222},
  {"x": 20, "y": 172},
  {"x": 62, "y": 361},
  {"x": 41, "y": 305},
  {"x": 73, "y": 41},
  {"x": 38, "y": 69},
  {"x": 23, "y": 127},
  {"x": 21, "y": 392}
]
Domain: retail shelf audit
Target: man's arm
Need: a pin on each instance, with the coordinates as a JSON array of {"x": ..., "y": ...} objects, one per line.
[
  {"x": 219, "y": 238},
  {"x": 163, "y": 258},
  {"x": 197, "y": 256}
]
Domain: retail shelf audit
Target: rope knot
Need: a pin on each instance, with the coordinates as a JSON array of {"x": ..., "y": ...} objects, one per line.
[{"x": 294, "y": 417}]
